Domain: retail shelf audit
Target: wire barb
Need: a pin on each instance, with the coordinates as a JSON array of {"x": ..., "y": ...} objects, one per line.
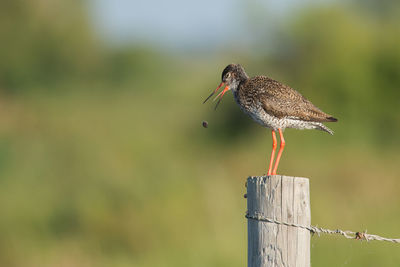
[{"x": 318, "y": 230}]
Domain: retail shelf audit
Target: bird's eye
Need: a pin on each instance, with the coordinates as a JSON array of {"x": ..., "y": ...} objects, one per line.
[{"x": 228, "y": 75}]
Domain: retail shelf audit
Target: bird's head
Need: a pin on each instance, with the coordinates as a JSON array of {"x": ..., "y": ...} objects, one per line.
[{"x": 232, "y": 76}]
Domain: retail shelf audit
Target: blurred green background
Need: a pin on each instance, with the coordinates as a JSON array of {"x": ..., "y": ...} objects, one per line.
[{"x": 103, "y": 159}]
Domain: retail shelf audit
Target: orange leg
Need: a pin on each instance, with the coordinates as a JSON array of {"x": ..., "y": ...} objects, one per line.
[
  {"x": 281, "y": 147},
  {"x": 274, "y": 146}
]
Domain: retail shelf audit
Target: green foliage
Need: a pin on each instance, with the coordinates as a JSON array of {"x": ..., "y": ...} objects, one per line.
[{"x": 45, "y": 43}]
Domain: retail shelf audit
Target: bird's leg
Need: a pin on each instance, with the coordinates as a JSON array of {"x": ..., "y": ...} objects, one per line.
[
  {"x": 281, "y": 147},
  {"x": 274, "y": 146}
]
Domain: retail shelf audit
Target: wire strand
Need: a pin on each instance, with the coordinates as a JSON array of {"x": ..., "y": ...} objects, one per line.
[{"x": 318, "y": 230}]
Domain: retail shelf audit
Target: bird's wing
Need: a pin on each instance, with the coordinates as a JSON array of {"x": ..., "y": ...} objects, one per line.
[{"x": 281, "y": 100}]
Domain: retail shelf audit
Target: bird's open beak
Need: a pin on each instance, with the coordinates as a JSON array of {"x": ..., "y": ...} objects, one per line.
[
  {"x": 220, "y": 95},
  {"x": 219, "y": 86}
]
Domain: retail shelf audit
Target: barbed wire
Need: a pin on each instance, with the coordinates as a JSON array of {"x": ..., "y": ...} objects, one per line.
[{"x": 318, "y": 230}]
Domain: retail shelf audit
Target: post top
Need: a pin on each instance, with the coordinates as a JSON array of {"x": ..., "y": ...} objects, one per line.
[{"x": 265, "y": 178}]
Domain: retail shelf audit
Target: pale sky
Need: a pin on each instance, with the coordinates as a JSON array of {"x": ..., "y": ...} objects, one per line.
[{"x": 180, "y": 23}]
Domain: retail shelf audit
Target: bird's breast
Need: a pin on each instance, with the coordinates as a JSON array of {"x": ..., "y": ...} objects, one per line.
[{"x": 254, "y": 109}]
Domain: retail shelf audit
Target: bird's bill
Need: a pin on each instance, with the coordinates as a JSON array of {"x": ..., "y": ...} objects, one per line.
[
  {"x": 219, "y": 86},
  {"x": 220, "y": 95}
]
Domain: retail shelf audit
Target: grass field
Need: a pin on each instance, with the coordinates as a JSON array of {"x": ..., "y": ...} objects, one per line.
[{"x": 133, "y": 179}]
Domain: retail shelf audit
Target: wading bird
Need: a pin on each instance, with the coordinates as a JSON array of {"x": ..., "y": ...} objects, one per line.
[{"x": 271, "y": 104}]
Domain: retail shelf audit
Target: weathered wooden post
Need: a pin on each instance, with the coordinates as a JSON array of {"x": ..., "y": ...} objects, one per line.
[{"x": 280, "y": 199}]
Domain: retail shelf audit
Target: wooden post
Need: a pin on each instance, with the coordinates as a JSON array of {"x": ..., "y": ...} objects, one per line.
[{"x": 283, "y": 199}]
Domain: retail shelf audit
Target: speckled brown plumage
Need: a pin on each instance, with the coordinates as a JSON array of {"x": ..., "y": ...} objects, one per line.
[
  {"x": 280, "y": 100},
  {"x": 273, "y": 105}
]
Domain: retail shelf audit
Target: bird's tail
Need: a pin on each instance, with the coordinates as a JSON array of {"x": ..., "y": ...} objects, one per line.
[
  {"x": 321, "y": 127},
  {"x": 331, "y": 119}
]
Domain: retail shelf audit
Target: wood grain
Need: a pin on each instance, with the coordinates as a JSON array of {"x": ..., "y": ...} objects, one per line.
[{"x": 281, "y": 198}]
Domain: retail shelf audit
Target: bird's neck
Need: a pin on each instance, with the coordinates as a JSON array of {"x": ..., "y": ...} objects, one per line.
[
  {"x": 235, "y": 85},
  {"x": 236, "y": 89}
]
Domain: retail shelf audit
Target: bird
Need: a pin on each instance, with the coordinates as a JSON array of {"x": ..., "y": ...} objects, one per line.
[{"x": 271, "y": 104}]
